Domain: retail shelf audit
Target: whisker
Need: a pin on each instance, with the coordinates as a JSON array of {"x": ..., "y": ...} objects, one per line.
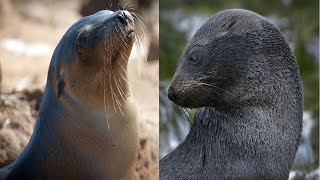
[
  {"x": 118, "y": 103},
  {"x": 210, "y": 77},
  {"x": 112, "y": 93},
  {"x": 110, "y": 4},
  {"x": 119, "y": 89},
  {"x": 104, "y": 98},
  {"x": 211, "y": 85}
]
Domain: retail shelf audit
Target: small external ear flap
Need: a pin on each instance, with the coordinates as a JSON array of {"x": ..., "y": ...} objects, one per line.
[
  {"x": 60, "y": 85},
  {"x": 228, "y": 25}
]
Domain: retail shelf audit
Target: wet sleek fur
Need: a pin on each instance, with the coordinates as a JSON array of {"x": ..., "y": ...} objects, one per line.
[
  {"x": 86, "y": 128},
  {"x": 240, "y": 74}
]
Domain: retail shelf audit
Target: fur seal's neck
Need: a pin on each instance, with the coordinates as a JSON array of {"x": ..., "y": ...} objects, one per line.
[{"x": 221, "y": 141}]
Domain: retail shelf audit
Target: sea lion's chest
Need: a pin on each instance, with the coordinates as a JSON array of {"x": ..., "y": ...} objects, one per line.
[{"x": 98, "y": 144}]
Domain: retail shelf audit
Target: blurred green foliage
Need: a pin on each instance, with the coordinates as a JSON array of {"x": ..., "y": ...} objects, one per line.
[{"x": 172, "y": 44}]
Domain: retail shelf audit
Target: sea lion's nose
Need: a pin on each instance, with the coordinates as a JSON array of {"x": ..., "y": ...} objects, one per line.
[
  {"x": 171, "y": 94},
  {"x": 124, "y": 17}
]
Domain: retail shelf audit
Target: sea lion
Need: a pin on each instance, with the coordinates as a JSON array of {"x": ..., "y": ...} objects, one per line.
[
  {"x": 240, "y": 75},
  {"x": 86, "y": 127}
]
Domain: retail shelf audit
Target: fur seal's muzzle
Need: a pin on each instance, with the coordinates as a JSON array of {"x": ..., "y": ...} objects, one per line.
[{"x": 171, "y": 94}]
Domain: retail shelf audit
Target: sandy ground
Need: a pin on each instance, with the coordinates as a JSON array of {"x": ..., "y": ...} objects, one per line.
[{"x": 43, "y": 25}]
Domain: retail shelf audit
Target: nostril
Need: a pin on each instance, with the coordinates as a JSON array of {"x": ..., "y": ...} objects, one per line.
[
  {"x": 122, "y": 18},
  {"x": 128, "y": 16},
  {"x": 124, "y": 15}
]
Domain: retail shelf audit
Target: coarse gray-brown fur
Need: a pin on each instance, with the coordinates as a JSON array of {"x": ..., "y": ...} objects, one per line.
[{"x": 239, "y": 72}]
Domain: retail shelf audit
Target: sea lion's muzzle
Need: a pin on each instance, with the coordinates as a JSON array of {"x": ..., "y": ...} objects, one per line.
[
  {"x": 125, "y": 17},
  {"x": 126, "y": 20}
]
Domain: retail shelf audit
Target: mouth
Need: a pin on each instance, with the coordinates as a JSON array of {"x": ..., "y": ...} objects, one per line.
[{"x": 130, "y": 32}]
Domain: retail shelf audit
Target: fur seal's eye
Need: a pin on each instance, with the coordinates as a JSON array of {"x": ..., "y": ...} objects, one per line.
[{"x": 194, "y": 57}]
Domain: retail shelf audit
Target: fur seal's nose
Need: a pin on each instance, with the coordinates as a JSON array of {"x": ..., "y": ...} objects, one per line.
[{"x": 171, "y": 94}]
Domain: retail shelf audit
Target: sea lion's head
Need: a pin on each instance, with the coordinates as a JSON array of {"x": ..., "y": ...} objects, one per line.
[
  {"x": 237, "y": 58},
  {"x": 90, "y": 61}
]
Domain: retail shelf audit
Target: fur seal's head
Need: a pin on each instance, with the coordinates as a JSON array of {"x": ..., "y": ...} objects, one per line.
[
  {"x": 90, "y": 61},
  {"x": 237, "y": 58}
]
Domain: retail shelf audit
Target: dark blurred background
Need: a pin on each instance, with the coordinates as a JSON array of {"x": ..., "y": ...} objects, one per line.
[{"x": 298, "y": 21}]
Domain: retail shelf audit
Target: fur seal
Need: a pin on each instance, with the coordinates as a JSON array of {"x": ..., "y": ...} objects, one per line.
[
  {"x": 86, "y": 127},
  {"x": 240, "y": 75}
]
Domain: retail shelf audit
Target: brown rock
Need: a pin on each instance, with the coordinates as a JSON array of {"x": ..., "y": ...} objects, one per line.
[{"x": 17, "y": 119}]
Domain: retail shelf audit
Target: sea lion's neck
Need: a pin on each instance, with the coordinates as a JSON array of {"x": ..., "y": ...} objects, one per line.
[
  {"x": 109, "y": 89},
  {"x": 70, "y": 130}
]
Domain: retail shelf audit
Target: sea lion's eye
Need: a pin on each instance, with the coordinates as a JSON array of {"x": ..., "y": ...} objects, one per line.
[{"x": 194, "y": 57}]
